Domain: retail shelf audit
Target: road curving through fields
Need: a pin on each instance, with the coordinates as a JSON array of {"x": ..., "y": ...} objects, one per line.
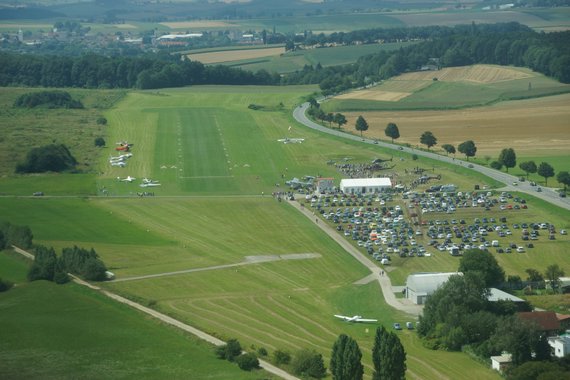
[{"x": 549, "y": 195}]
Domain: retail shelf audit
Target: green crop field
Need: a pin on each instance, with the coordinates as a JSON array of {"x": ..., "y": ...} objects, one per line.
[
  {"x": 67, "y": 331},
  {"x": 218, "y": 161}
]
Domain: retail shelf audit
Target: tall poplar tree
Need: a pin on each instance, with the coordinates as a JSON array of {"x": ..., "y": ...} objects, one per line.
[
  {"x": 345, "y": 359},
  {"x": 388, "y": 356}
]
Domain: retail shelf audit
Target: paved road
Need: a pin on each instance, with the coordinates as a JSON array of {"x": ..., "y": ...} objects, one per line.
[
  {"x": 383, "y": 280},
  {"x": 547, "y": 194}
]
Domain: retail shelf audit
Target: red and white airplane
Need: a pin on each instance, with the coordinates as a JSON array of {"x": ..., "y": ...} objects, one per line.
[{"x": 355, "y": 318}]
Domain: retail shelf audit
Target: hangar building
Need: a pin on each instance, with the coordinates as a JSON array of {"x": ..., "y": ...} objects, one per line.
[{"x": 364, "y": 185}]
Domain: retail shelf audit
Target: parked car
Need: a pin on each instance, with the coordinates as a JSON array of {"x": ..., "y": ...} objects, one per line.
[{"x": 397, "y": 326}]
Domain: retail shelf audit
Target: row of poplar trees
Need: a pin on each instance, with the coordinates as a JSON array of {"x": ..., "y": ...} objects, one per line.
[{"x": 388, "y": 356}]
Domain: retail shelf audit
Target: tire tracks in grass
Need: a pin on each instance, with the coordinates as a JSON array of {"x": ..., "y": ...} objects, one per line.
[
  {"x": 288, "y": 322},
  {"x": 270, "y": 327},
  {"x": 302, "y": 317},
  {"x": 438, "y": 374},
  {"x": 229, "y": 321}
]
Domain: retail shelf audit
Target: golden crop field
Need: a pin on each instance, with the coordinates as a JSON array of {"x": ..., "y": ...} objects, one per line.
[
  {"x": 532, "y": 127},
  {"x": 475, "y": 73},
  {"x": 389, "y": 91},
  {"x": 235, "y": 55}
]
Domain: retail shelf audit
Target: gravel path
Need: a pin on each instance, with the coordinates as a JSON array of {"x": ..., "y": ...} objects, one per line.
[{"x": 547, "y": 194}]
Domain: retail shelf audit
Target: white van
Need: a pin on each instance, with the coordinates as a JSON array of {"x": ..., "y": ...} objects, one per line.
[{"x": 495, "y": 243}]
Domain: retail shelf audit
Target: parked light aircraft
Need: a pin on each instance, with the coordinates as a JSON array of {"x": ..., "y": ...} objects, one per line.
[
  {"x": 355, "y": 318},
  {"x": 127, "y": 179},
  {"x": 288, "y": 140},
  {"x": 146, "y": 182}
]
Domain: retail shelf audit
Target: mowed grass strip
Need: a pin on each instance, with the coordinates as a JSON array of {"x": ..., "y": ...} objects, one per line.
[
  {"x": 44, "y": 325},
  {"x": 75, "y": 221}
]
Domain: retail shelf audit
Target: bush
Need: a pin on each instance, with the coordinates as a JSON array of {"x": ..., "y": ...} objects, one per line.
[
  {"x": 48, "y": 158},
  {"x": 229, "y": 351},
  {"x": 49, "y": 99},
  {"x": 247, "y": 362},
  {"x": 309, "y": 363},
  {"x": 281, "y": 357},
  {"x": 99, "y": 142},
  {"x": 262, "y": 351},
  {"x": 496, "y": 165},
  {"x": 5, "y": 285},
  {"x": 101, "y": 121}
]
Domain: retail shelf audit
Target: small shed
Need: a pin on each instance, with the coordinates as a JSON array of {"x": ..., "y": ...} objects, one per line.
[
  {"x": 365, "y": 185},
  {"x": 500, "y": 363},
  {"x": 420, "y": 285}
]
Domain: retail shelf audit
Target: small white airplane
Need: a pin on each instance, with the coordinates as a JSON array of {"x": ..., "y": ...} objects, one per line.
[
  {"x": 288, "y": 140},
  {"x": 355, "y": 318},
  {"x": 149, "y": 184},
  {"x": 120, "y": 164},
  {"x": 146, "y": 182},
  {"x": 127, "y": 179}
]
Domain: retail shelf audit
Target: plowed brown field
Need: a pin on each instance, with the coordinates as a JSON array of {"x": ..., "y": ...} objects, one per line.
[{"x": 533, "y": 127}]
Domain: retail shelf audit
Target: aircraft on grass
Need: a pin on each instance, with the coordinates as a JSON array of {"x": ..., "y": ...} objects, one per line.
[
  {"x": 288, "y": 140},
  {"x": 355, "y": 318},
  {"x": 149, "y": 183},
  {"x": 127, "y": 179}
]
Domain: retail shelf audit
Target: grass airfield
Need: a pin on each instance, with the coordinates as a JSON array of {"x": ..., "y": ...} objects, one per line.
[{"x": 210, "y": 211}]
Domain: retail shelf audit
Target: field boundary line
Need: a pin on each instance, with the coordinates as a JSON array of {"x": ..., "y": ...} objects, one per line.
[{"x": 168, "y": 320}]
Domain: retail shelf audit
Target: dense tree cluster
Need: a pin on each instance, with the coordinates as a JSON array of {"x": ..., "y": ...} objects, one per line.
[
  {"x": 48, "y": 266},
  {"x": 47, "y": 158},
  {"x": 48, "y": 99},
  {"x": 20, "y": 236},
  {"x": 5, "y": 285}
]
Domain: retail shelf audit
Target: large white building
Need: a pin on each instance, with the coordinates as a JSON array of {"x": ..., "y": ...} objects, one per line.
[
  {"x": 420, "y": 285},
  {"x": 364, "y": 185}
]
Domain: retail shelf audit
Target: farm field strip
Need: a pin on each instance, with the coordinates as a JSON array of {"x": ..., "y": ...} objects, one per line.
[{"x": 235, "y": 55}]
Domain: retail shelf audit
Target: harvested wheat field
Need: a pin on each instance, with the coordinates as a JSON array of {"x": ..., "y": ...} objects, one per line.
[
  {"x": 389, "y": 91},
  {"x": 533, "y": 127},
  {"x": 386, "y": 96},
  {"x": 476, "y": 73},
  {"x": 235, "y": 55}
]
